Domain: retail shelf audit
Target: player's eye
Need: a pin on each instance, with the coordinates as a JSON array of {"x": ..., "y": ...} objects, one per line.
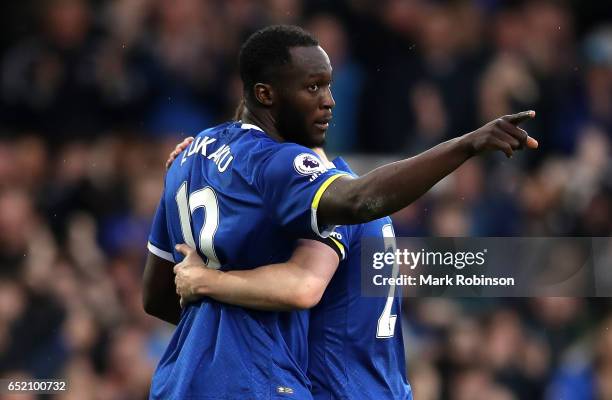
[{"x": 313, "y": 88}]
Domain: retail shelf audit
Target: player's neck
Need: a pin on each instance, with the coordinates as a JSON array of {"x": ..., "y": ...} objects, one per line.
[
  {"x": 262, "y": 119},
  {"x": 321, "y": 153}
]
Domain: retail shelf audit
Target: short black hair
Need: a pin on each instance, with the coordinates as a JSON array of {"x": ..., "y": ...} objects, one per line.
[{"x": 268, "y": 49}]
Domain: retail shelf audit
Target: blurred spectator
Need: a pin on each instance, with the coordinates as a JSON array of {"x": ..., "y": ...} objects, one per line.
[{"x": 47, "y": 79}]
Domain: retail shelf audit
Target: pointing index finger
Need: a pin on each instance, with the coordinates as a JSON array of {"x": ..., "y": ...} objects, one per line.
[
  {"x": 532, "y": 143},
  {"x": 518, "y": 118}
]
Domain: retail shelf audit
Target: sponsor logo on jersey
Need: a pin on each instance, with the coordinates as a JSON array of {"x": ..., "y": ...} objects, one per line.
[
  {"x": 336, "y": 235},
  {"x": 284, "y": 390}
]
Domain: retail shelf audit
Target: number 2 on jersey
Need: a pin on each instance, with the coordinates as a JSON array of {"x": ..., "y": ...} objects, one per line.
[
  {"x": 386, "y": 323},
  {"x": 206, "y": 198}
]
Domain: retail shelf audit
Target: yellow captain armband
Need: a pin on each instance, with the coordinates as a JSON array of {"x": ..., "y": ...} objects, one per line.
[
  {"x": 315, "y": 204},
  {"x": 322, "y": 188}
]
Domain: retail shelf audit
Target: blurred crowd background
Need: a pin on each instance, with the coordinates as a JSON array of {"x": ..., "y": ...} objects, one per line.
[{"x": 94, "y": 95}]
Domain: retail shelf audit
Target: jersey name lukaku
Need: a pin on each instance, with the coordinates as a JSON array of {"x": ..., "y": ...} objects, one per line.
[
  {"x": 242, "y": 199},
  {"x": 355, "y": 343}
]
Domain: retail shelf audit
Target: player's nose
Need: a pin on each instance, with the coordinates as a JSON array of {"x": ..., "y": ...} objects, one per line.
[{"x": 328, "y": 101}]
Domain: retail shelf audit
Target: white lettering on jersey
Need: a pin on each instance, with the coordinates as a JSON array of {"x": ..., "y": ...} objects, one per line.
[
  {"x": 222, "y": 157},
  {"x": 336, "y": 235},
  {"x": 199, "y": 145}
]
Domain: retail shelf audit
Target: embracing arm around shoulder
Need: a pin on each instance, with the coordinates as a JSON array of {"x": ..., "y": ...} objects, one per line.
[{"x": 298, "y": 283}]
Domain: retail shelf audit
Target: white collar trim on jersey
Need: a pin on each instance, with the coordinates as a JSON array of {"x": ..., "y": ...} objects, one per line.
[{"x": 251, "y": 126}]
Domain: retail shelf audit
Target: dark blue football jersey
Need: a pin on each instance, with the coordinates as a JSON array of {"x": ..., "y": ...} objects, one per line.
[
  {"x": 355, "y": 343},
  {"x": 242, "y": 199}
]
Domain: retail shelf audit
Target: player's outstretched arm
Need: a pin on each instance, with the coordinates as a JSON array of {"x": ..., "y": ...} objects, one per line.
[
  {"x": 394, "y": 186},
  {"x": 298, "y": 283}
]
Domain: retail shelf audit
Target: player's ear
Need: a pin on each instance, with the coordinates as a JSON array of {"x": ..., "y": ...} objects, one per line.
[{"x": 264, "y": 94}]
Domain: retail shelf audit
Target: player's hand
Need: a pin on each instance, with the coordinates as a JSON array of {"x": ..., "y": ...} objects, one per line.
[
  {"x": 177, "y": 150},
  {"x": 190, "y": 275},
  {"x": 502, "y": 134}
]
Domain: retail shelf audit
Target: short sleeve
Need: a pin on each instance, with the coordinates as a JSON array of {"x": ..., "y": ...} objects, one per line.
[
  {"x": 292, "y": 182},
  {"x": 159, "y": 239},
  {"x": 339, "y": 240}
]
